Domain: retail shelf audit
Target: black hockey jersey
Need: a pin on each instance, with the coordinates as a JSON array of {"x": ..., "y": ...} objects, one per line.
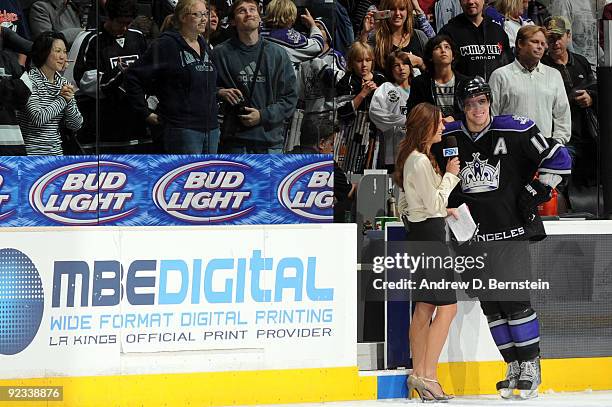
[
  {"x": 110, "y": 55},
  {"x": 496, "y": 165},
  {"x": 113, "y": 51}
]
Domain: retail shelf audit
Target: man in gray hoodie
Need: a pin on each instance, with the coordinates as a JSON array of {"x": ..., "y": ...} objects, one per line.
[{"x": 257, "y": 106}]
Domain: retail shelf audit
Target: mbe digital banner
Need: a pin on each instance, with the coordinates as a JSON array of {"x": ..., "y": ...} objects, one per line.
[
  {"x": 255, "y": 302},
  {"x": 166, "y": 190}
]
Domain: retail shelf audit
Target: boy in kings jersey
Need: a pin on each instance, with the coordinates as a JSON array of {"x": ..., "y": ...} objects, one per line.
[{"x": 499, "y": 158}]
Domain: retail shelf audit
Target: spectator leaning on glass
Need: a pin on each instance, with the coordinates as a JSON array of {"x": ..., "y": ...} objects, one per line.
[
  {"x": 257, "y": 82},
  {"x": 51, "y": 104},
  {"x": 424, "y": 192},
  {"x": 531, "y": 89},
  {"x": 439, "y": 84},
  {"x": 178, "y": 69}
]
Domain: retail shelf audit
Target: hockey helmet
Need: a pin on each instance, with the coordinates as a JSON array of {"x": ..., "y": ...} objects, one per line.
[{"x": 474, "y": 87}]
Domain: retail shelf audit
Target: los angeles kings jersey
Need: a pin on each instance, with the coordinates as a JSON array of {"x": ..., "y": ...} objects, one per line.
[{"x": 496, "y": 164}]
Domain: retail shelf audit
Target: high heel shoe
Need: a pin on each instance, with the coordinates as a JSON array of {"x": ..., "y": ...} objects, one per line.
[
  {"x": 414, "y": 383},
  {"x": 437, "y": 397}
]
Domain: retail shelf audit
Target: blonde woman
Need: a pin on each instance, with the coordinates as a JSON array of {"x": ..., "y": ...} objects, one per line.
[
  {"x": 423, "y": 200},
  {"x": 395, "y": 33},
  {"x": 178, "y": 69},
  {"x": 512, "y": 10}
]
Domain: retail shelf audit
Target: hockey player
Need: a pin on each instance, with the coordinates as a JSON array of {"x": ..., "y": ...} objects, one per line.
[{"x": 499, "y": 158}]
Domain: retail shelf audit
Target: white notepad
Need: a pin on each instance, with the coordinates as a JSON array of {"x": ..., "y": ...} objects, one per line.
[{"x": 464, "y": 227}]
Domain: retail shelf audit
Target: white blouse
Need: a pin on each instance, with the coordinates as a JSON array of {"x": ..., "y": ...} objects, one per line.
[{"x": 425, "y": 193}]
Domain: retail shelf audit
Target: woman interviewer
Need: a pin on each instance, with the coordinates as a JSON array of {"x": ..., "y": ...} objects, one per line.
[{"x": 423, "y": 199}]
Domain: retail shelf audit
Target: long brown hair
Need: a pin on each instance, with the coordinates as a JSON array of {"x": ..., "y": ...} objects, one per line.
[
  {"x": 384, "y": 35},
  {"x": 401, "y": 56},
  {"x": 421, "y": 125}
]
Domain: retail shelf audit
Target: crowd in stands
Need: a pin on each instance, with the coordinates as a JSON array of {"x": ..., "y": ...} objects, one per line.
[{"x": 242, "y": 76}]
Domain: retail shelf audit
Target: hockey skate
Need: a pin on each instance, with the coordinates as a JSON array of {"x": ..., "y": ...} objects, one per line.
[
  {"x": 506, "y": 387},
  {"x": 530, "y": 379}
]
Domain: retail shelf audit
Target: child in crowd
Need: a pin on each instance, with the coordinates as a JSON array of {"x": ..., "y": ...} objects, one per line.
[{"x": 388, "y": 106}]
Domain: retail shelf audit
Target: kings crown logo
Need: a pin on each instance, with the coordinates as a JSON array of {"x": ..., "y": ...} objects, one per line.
[{"x": 479, "y": 176}]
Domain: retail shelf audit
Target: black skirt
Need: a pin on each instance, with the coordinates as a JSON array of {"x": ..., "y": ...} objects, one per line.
[{"x": 427, "y": 240}]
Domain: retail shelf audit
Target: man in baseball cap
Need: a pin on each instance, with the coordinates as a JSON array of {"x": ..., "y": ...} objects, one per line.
[{"x": 581, "y": 89}]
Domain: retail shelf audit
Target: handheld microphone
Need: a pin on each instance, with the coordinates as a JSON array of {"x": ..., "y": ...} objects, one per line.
[{"x": 450, "y": 149}]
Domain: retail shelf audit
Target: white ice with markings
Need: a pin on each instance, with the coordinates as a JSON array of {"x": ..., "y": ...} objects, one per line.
[{"x": 582, "y": 399}]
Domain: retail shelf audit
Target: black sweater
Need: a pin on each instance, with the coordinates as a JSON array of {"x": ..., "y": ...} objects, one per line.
[
  {"x": 184, "y": 82},
  {"x": 422, "y": 90},
  {"x": 482, "y": 49},
  {"x": 14, "y": 95}
]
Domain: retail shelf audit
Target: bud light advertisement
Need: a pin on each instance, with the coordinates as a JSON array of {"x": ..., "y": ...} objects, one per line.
[
  {"x": 74, "y": 191},
  {"x": 304, "y": 188},
  {"x": 9, "y": 191},
  {"x": 220, "y": 189},
  {"x": 165, "y": 190}
]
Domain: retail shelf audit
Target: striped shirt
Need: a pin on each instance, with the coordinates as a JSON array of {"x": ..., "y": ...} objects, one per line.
[{"x": 44, "y": 113}]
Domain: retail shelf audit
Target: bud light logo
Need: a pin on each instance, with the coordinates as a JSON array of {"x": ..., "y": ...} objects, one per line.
[
  {"x": 309, "y": 191},
  {"x": 21, "y": 301},
  {"x": 4, "y": 198},
  {"x": 84, "y": 193},
  {"x": 205, "y": 192}
]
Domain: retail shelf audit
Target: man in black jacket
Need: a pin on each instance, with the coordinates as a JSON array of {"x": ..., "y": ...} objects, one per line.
[
  {"x": 483, "y": 45},
  {"x": 14, "y": 94},
  {"x": 100, "y": 72},
  {"x": 440, "y": 83},
  {"x": 581, "y": 89}
]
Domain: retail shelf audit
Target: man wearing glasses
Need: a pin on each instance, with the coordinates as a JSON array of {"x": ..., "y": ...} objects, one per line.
[{"x": 499, "y": 157}]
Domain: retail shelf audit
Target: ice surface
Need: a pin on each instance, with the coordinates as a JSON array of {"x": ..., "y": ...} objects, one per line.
[{"x": 557, "y": 399}]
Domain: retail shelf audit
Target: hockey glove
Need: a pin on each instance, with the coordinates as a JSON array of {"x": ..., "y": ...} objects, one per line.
[{"x": 532, "y": 195}]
